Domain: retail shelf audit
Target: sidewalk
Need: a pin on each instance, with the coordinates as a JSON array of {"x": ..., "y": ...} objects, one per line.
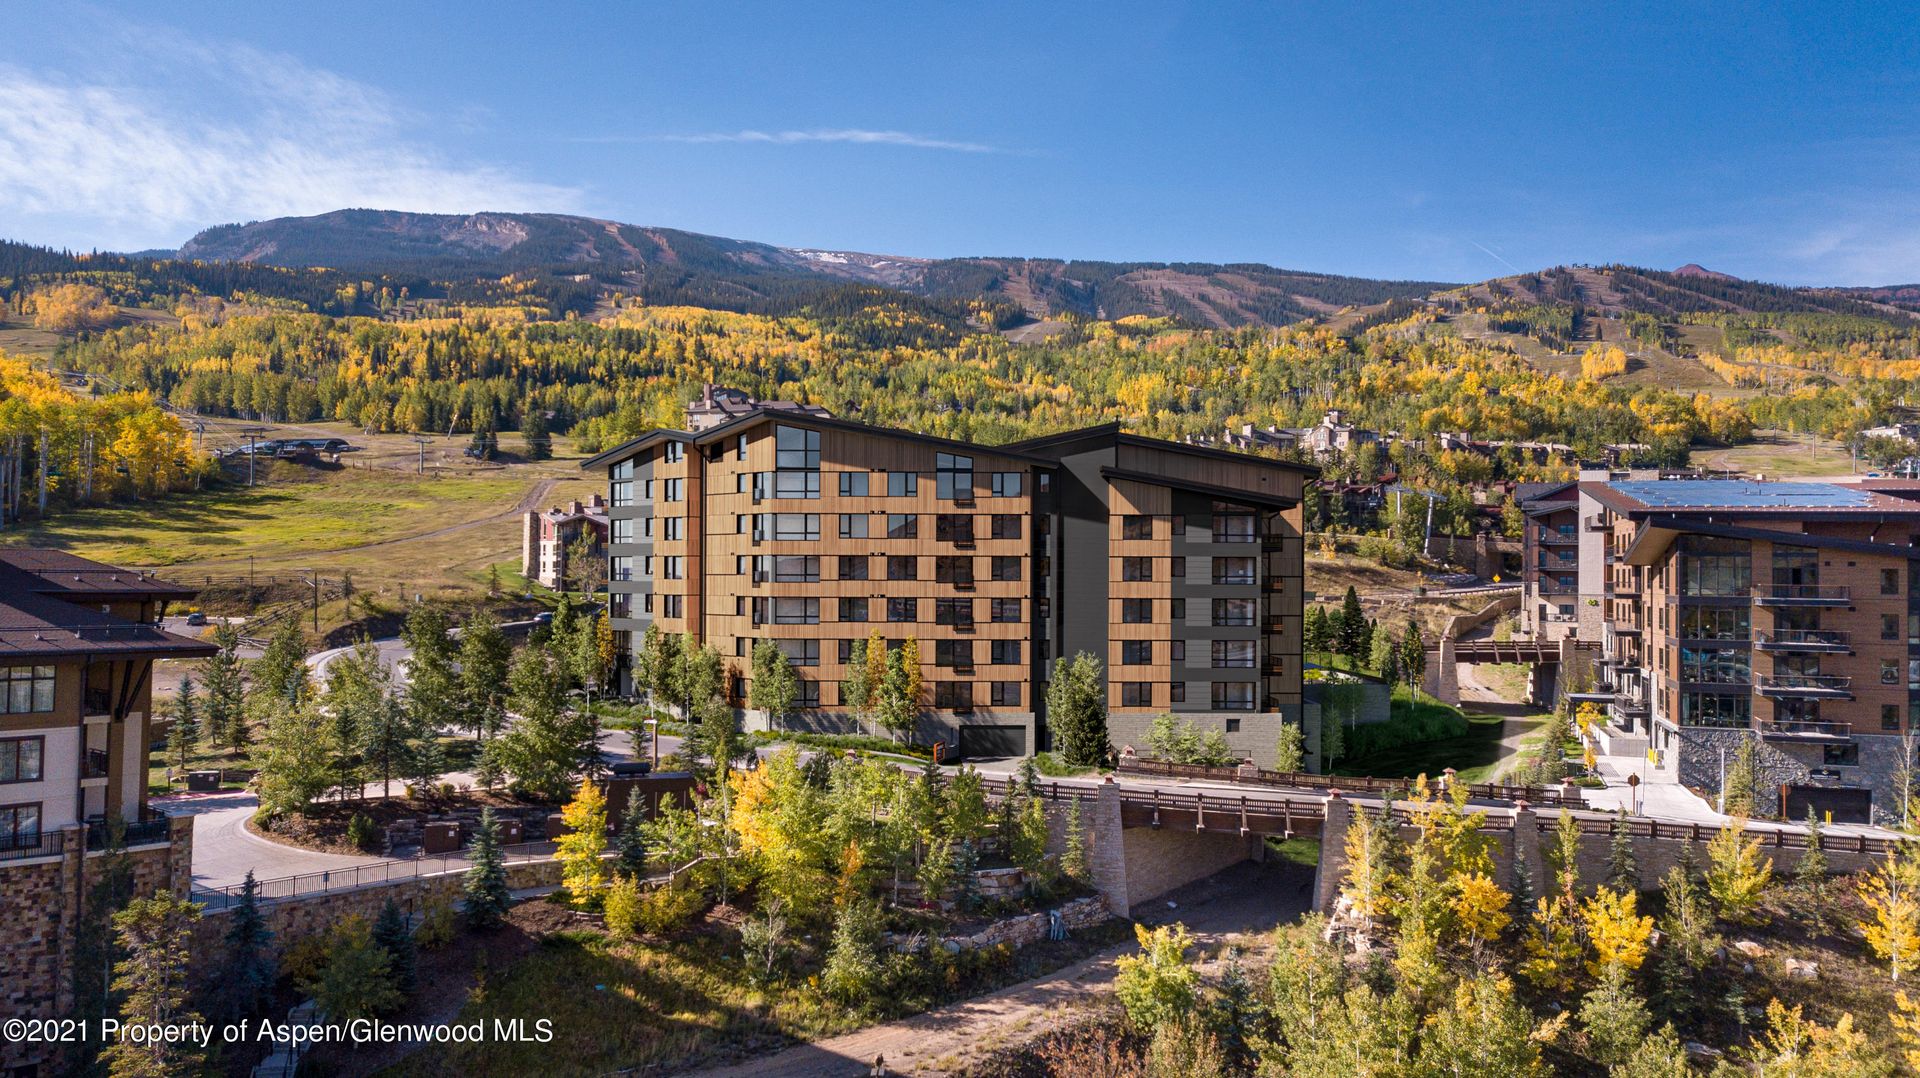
[{"x": 1673, "y": 803}]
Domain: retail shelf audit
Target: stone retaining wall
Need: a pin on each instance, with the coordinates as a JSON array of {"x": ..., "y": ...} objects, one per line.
[
  {"x": 1018, "y": 931},
  {"x": 293, "y": 919}
]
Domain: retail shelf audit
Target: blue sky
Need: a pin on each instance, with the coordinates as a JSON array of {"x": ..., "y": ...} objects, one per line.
[{"x": 1781, "y": 143}]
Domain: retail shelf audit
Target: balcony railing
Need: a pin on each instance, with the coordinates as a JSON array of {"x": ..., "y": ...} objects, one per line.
[
  {"x": 150, "y": 828},
  {"x": 1800, "y": 640},
  {"x": 1552, "y": 536},
  {"x": 1805, "y": 685},
  {"x": 1804, "y": 595},
  {"x": 15, "y": 847},
  {"x": 1806, "y": 729}
]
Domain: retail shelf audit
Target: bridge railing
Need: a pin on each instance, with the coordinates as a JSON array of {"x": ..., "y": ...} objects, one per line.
[{"x": 1299, "y": 780}]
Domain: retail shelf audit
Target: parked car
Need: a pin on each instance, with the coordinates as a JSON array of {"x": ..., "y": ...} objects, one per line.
[{"x": 196, "y": 618}]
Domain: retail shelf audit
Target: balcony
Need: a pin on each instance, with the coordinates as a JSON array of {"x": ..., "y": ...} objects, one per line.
[
  {"x": 1807, "y": 730},
  {"x": 1804, "y": 595},
  {"x": 1800, "y": 640},
  {"x": 1595, "y": 523},
  {"x": 1806, "y": 686},
  {"x": 149, "y": 829},
  {"x": 1555, "y": 537},
  {"x": 94, "y": 765}
]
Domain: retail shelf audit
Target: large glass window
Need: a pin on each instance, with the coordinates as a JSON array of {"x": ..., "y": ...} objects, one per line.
[
  {"x": 953, "y": 528},
  {"x": 903, "y": 484},
  {"x": 20, "y": 759},
  {"x": 1719, "y": 666},
  {"x": 1710, "y": 565},
  {"x": 796, "y": 461},
  {"x": 1233, "y": 653},
  {"x": 1233, "y": 571},
  {"x": 953, "y": 571},
  {"x": 1715, "y": 623},
  {"x": 903, "y": 526},
  {"x": 1006, "y": 526},
  {"x": 853, "y": 484},
  {"x": 800, "y": 652},
  {"x": 1233, "y": 696},
  {"x": 19, "y": 826},
  {"x": 1136, "y": 611},
  {"x": 1233, "y": 611},
  {"x": 853, "y": 525},
  {"x": 26, "y": 689},
  {"x": 957, "y": 612},
  {"x": 1234, "y": 523},
  {"x": 952, "y": 477},
  {"x": 853, "y": 567},
  {"x": 1710, "y": 709},
  {"x": 1007, "y": 484},
  {"x": 903, "y": 610},
  {"x": 1136, "y": 652},
  {"x": 955, "y": 654}
]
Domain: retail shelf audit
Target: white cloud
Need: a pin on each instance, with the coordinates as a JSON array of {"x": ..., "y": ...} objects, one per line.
[
  {"x": 839, "y": 134},
  {"x": 197, "y": 136}
]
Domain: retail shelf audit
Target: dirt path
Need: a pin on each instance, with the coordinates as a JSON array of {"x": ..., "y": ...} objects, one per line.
[
  {"x": 527, "y": 502},
  {"x": 1245, "y": 898}
]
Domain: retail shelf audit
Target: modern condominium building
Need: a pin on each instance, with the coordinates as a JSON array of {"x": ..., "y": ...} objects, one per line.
[
  {"x": 78, "y": 641},
  {"x": 1788, "y": 612},
  {"x": 1179, "y": 567}
]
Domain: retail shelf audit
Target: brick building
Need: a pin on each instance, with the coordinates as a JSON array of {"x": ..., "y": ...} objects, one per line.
[
  {"x": 1179, "y": 566},
  {"x": 546, "y": 536},
  {"x": 1783, "y": 611},
  {"x": 78, "y": 640}
]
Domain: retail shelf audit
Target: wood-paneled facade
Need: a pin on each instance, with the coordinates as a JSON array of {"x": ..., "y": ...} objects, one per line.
[{"x": 813, "y": 532}]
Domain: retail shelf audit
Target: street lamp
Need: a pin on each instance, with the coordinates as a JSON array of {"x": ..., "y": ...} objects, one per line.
[{"x": 653, "y": 740}]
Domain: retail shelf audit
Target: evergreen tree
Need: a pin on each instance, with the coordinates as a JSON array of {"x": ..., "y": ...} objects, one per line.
[
  {"x": 1077, "y": 710},
  {"x": 221, "y": 676},
  {"x": 433, "y": 678},
  {"x": 1811, "y": 872},
  {"x": 1316, "y": 631},
  {"x": 631, "y": 842},
  {"x": 246, "y": 967},
  {"x": 392, "y": 933},
  {"x": 1073, "y": 857},
  {"x": 1029, "y": 774},
  {"x": 156, "y": 935},
  {"x": 534, "y": 429},
  {"x": 484, "y": 658},
  {"x": 280, "y": 673},
  {"x": 184, "y": 735},
  {"x": 1623, "y": 872},
  {"x": 484, "y": 896},
  {"x": 547, "y": 746},
  {"x": 1350, "y": 632}
]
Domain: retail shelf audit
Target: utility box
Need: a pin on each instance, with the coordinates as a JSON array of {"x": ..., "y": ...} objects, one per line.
[
  {"x": 203, "y": 782},
  {"x": 556, "y": 826},
  {"x": 441, "y": 837},
  {"x": 648, "y": 792},
  {"x": 510, "y": 832}
]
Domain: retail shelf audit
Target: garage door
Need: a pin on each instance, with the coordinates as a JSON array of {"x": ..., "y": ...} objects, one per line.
[
  {"x": 977, "y": 742},
  {"x": 1848, "y": 804}
]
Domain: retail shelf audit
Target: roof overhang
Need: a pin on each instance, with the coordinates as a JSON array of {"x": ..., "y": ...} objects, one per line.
[{"x": 1236, "y": 494}]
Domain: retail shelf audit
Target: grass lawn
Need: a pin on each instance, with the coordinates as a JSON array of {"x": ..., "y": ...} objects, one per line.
[
  {"x": 1777, "y": 454},
  {"x": 1476, "y": 756}
]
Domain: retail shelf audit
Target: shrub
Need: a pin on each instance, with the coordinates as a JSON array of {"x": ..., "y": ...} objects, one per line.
[
  {"x": 623, "y": 906},
  {"x": 1157, "y": 986},
  {"x": 362, "y": 832},
  {"x": 853, "y": 969},
  {"x": 437, "y": 923},
  {"x": 666, "y": 908}
]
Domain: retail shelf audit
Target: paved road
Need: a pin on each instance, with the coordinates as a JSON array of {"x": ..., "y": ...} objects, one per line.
[
  {"x": 224, "y": 850},
  {"x": 954, "y": 1039}
]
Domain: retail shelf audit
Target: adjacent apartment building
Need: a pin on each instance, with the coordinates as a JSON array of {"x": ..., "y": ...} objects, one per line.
[
  {"x": 547, "y": 537},
  {"x": 1786, "y": 612},
  {"x": 1178, "y": 566},
  {"x": 78, "y": 641}
]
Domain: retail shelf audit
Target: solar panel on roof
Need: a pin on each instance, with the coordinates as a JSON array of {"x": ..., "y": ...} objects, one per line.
[{"x": 1742, "y": 494}]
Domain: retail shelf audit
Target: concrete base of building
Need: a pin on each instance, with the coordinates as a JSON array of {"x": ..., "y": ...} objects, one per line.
[{"x": 1704, "y": 754}]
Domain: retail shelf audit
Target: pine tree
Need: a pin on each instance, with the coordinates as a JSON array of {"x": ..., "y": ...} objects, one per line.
[
  {"x": 1077, "y": 711},
  {"x": 247, "y": 966},
  {"x": 484, "y": 658},
  {"x": 392, "y": 933},
  {"x": 156, "y": 935},
  {"x": 1316, "y": 631},
  {"x": 226, "y": 692},
  {"x": 1622, "y": 870},
  {"x": 186, "y": 732},
  {"x": 485, "y": 898},
  {"x": 280, "y": 673},
  {"x": 1351, "y": 632},
  {"x": 1029, "y": 773},
  {"x": 434, "y": 690},
  {"x": 1073, "y": 858},
  {"x": 546, "y": 747},
  {"x": 1811, "y": 872},
  {"x": 631, "y": 843}
]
